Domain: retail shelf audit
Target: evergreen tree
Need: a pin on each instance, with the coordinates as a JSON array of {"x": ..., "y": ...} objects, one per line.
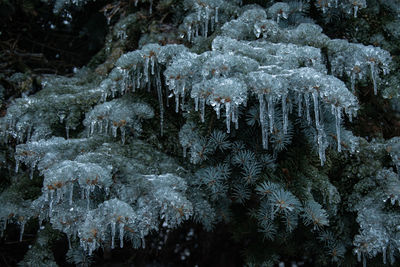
[{"x": 236, "y": 113}]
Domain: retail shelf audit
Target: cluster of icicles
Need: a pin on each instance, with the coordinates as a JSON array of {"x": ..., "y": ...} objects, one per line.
[
  {"x": 353, "y": 5},
  {"x": 206, "y": 16},
  {"x": 362, "y": 255},
  {"x": 228, "y": 93}
]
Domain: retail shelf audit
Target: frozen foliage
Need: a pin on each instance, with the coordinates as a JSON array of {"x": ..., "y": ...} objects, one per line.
[
  {"x": 60, "y": 5},
  {"x": 32, "y": 118},
  {"x": 126, "y": 176},
  {"x": 117, "y": 114},
  {"x": 204, "y": 17},
  {"x": 40, "y": 254},
  {"x": 102, "y": 186},
  {"x": 378, "y": 222},
  {"x": 351, "y": 7}
]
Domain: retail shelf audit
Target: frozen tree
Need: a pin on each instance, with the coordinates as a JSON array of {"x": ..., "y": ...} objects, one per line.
[{"x": 266, "y": 102}]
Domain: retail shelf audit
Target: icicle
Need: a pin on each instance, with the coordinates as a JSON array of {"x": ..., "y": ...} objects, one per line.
[
  {"x": 373, "y": 77},
  {"x": 136, "y": 2},
  {"x": 263, "y": 121},
  {"x": 51, "y": 202},
  {"x": 202, "y": 108},
  {"x": 112, "y": 234},
  {"x": 160, "y": 101},
  {"x": 107, "y": 190},
  {"x": 338, "y": 114},
  {"x": 183, "y": 97},
  {"x": 106, "y": 127},
  {"x": 123, "y": 135},
  {"x": 151, "y": 7},
  {"x": 235, "y": 116},
  {"x": 71, "y": 193},
  {"x": 316, "y": 109},
  {"x": 384, "y": 255},
  {"x": 358, "y": 255},
  {"x": 299, "y": 104},
  {"x": 67, "y": 132},
  {"x": 143, "y": 242},
  {"x": 100, "y": 123},
  {"x": 206, "y": 22},
  {"x": 87, "y": 198},
  {"x": 196, "y": 104},
  {"x": 168, "y": 96},
  {"x": 121, "y": 234},
  {"x": 355, "y": 11},
  {"x": 228, "y": 116},
  {"x": 146, "y": 70},
  {"x": 216, "y": 14},
  {"x": 92, "y": 247},
  {"x": 270, "y": 113},
  {"x": 284, "y": 114},
  {"x": 350, "y": 115},
  {"x": 32, "y": 171},
  {"x": 92, "y": 126},
  {"x": 133, "y": 83},
  {"x": 58, "y": 195},
  {"x": 364, "y": 260},
  {"x": 69, "y": 241},
  {"x": 21, "y": 233},
  {"x": 152, "y": 62},
  {"x": 16, "y": 166},
  {"x": 184, "y": 151},
  {"x": 139, "y": 76},
  {"x": 114, "y": 130},
  {"x": 149, "y": 86},
  {"x": 28, "y": 133},
  {"x": 391, "y": 256},
  {"x": 189, "y": 32},
  {"x": 218, "y": 109},
  {"x": 46, "y": 195},
  {"x": 307, "y": 102},
  {"x": 176, "y": 102},
  {"x": 290, "y": 105},
  {"x": 320, "y": 131},
  {"x": 353, "y": 81}
]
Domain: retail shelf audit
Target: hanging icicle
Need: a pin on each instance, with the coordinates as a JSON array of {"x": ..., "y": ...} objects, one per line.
[
  {"x": 112, "y": 234},
  {"x": 21, "y": 233},
  {"x": 71, "y": 192},
  {"x": 299, "y": 98},
  {"x": 284, "y": 113},
  {"x": 271, "y": 111},
  {"x": 373, "y": 76},
  {"x": 202, "y": 108},
  {"x": 307, "y": 103},
  {"x": 384, "y": 255},
  {"x": 228, "y": 116},
  {"x": 338, "y": 114},
  {"x": 16, "y": 165},
  {"x": 51, "y": 203},
  {"x": 160, "y": 100},
  {"x": 121, "y": 235},
  {"x": 263, "y": 121}
]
